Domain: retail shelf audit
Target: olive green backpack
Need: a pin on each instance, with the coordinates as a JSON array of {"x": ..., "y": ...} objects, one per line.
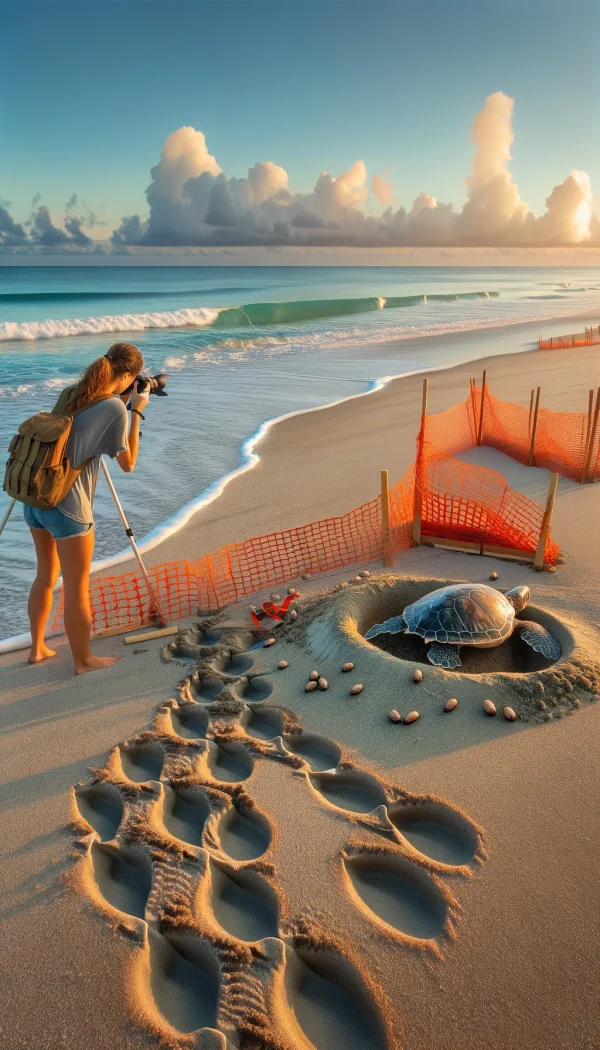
[{"x": 38, "y": 470}]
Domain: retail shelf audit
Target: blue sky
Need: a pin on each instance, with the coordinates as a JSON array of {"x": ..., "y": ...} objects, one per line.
[{"x": 90, "y": 90}]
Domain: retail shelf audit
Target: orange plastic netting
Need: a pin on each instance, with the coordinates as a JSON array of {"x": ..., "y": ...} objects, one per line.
[
  {"x": 590, "y": 337},
  {"x": 459, "y": 502}
]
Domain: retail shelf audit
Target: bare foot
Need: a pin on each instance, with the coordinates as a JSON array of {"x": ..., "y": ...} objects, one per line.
[
  {"x": 41, "y": 653},
  {"x": 96, "y": 663}
]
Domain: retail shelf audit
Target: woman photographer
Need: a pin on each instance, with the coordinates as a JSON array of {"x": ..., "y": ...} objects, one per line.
[{"x": 64, "y": 536}]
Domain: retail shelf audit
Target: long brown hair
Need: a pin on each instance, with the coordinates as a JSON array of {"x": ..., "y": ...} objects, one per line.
[{"x": 120, "y": 359}]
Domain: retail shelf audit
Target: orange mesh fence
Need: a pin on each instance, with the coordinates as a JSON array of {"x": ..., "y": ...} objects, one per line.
[
  {"x": 560, "y": 442},
  {"x": 474, "y": 505},
  {"x": 459, "y": 502},
  {"x": 240, "y": 569},
  {"x": 590, "y": 337}
]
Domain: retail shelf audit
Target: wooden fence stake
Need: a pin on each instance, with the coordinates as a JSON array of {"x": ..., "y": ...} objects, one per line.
[
  {"x": 590, "y": 448},
  {"x": 530, "y": 411},
  {"x": 588, "y": 428},
  {"x": 418, "y": 498},
  {"x": 483, "y": 389},
  {"x": 538, "y": 562},
  {"x": 385, "y": 518},
  {"x": 472, "y": 396},
  {"x": 534, "y": 426}
]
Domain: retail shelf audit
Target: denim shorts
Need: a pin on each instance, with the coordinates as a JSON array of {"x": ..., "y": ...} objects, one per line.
[{"x": 55, "y": 522}]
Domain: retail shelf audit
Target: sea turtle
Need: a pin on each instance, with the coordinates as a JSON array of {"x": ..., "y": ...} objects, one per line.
[{"x": 468, "y": 614}]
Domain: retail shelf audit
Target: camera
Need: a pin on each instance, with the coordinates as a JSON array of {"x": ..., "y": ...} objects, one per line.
[{"x": 156, "y": 383}]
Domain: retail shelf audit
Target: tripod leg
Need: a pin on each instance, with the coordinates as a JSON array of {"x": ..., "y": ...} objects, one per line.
[
  {"x": 155, "y": 612},
  {"x": 7, "y": 515}
]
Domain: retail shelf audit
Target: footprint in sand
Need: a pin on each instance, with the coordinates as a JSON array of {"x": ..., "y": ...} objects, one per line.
[
  {"x": 102, "y": 806},
  {"x": 224, "y": 957}
]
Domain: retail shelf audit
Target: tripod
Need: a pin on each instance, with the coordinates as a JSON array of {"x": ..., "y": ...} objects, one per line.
[{"x": 155, "y": 613}]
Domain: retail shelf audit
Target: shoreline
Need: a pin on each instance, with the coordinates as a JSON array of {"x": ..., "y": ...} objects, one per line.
[
  {"x": 249, "y": 458},
  {"x": 176, "y": 524}
]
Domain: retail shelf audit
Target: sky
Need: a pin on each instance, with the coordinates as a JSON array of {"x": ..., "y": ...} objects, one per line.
[{"x": 91, "y": 91}]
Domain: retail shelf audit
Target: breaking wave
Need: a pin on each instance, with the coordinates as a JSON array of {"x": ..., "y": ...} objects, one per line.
[
  {"x": 32, "y": 330},
  {"x": 252, "y": 315}
]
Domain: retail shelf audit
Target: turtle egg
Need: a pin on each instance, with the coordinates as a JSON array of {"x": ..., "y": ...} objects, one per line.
[
  {"x": 314, "y": 676},
  {"x": 509, "y": 714},
  {"x": 269, "y": 641},
  {"x": 417, "y": 675},
  {"x": 310, "y": 686},
  {"x": 356, "y": 689},
  {"x": 411, "y": 717},
  {"x": 294, "y": 614},
  {"x": 281, "y": 666},
  {"x": 489, "y": 707},
  {"x": 395, "y": 716},
  {"x": 323, "y": 683},
  {"x": 348, "y": 667},
  {"x": 451, "y": 704},
  {"x": 493, "y": 576}
]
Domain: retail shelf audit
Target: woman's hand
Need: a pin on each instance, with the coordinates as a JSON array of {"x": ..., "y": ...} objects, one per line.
[{"x": 138, "y": 401}]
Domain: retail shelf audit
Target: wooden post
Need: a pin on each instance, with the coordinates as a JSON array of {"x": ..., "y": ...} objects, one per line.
[
  {"x": 588, "y": 428},
  {"x": 534, "y": 426},
  {"x": 472, "y": 396},
  {"x": 483, "y": 389},
  {"x": 530, "y": 411},
  {"x": 538, "y": 562},
  {"x": 418, "y": 497},
  {"x": 590, "y": 447},
  {"x": 385, "y": 518}
]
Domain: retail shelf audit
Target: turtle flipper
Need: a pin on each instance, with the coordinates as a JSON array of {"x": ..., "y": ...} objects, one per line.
[
  {"x": 395, "y": 625},
  {"x": 443, "y": 655},
  {"x": 541, "y": 640}
]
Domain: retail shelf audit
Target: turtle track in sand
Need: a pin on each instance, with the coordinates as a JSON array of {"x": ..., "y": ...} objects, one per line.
[{"x": 180, "y": 857}]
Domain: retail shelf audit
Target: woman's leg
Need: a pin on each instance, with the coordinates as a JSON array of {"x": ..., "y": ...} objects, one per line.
[
  {"x": 75, "y": 555},
  {"x": 40, "y": 596}
]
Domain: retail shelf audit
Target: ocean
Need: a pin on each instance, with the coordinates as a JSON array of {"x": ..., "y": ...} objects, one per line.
[{"x": 242, "y": 346}]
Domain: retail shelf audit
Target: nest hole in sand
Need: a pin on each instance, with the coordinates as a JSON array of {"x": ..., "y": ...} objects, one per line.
[{"x": 513, "y": 656}]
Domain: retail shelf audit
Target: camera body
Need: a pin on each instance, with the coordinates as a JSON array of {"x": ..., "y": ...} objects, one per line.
[{"x": 156, "y": 383}]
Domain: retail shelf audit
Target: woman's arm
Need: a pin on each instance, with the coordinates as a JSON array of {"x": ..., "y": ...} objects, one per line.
[{"x": 127, "y": 458}]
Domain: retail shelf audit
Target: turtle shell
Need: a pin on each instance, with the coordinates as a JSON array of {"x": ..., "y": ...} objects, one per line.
[{"x": 462, "y": 614}]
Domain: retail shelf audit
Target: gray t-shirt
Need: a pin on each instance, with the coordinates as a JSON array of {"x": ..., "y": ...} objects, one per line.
[{"x": 98, "y": 431}]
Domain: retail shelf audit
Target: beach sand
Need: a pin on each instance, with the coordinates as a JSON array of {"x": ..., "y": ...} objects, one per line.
[{"x": 494, "y": 945}]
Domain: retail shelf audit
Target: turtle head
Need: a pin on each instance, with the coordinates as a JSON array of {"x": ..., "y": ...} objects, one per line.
[{"x": 518, "y": 597}]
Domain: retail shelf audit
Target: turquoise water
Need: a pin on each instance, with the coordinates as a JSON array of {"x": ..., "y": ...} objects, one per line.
[{"x": 242, "y": 345}]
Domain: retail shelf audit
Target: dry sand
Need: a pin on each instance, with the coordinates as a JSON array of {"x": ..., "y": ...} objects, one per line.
[{"x": 387, "y": 941}]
